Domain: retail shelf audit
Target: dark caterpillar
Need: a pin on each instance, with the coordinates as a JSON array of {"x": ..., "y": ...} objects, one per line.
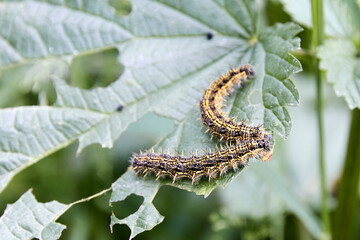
[
  {"x": 250, "y": 141},
  {"x": 195, "y": 167},
  {"x": 210, "y": 108}
]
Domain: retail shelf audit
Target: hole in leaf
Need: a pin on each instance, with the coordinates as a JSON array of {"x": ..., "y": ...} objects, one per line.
[
  {"x": 127, "y": 207},
  {"x": 120, "y": 231},
  {"x": 96, "y": 70},
  {"x": 30, "y": 84},
  {"x": 122, "y": 7}
]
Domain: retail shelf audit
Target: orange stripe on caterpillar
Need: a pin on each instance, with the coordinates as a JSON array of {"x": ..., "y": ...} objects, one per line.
[
  {"x": 227, "y": 129},
  {"x": 195, "y": 167}
]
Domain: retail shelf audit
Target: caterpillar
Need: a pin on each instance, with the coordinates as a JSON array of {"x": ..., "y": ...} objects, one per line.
[
  {"x": 227, "y": 129},
  {"x": 195, "y": 167},
  {"x": 249, "y": 141}
]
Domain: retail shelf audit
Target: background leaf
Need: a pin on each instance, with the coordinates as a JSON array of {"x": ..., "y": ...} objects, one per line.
[
  {"x": 339, "y": 59},
  {"x": 339, "y": 54},
  {"x": 27, "y": 219},
  {"x": 339, "y": 16},
  {"x": 31, "y": 133}
]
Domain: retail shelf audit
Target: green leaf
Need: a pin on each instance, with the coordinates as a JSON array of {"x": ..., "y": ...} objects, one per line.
[
  {"x": 169, "y": 80},
  {"x": 341, "y": 17},
  {"x": 31, "y": 133},
  {"x": 146, "y": 217},
  {"x": 28, "y": 219},
  {"x": 338, "y": 58},
  {"x": 278, "y": 90},
  {"x": 339, "y": 54},
  {"x": 29, "y": 29}
]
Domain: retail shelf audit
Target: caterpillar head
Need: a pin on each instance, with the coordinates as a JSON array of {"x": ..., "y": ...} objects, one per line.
[
  {"x": 249, "y": 70},
  {"x": 267, "y": 148}
]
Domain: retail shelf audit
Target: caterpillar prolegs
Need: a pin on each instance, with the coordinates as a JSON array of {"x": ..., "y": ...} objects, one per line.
[{"x": 248, "y": 141}]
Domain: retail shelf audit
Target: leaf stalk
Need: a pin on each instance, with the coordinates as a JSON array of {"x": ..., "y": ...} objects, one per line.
[{"x": 317, "y": 40}]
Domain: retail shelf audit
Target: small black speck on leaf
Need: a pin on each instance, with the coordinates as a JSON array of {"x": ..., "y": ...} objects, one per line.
[{"x": 119, "y": 108}]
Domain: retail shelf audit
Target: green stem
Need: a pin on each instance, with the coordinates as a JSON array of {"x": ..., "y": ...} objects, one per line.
[
  {"x": 345, "y": 216},
  {"x": 317, "y": 40},
  {"x": 325, "y": 214}
]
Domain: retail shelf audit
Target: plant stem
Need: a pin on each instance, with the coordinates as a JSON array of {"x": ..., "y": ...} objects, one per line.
[
  {"x": 345, "y": 216},
  {"x": 317, "y": 40},
  {"x": 91, "y": 197},
  {"x": 85, "y": 200},
  {"x": 325, "y": 213}
]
